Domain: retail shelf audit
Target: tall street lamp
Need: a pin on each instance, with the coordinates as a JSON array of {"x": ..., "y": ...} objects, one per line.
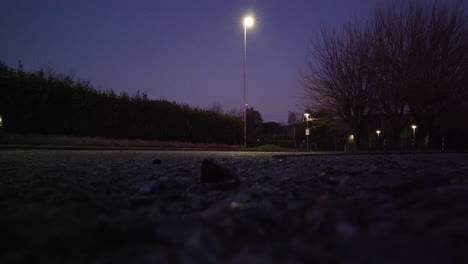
[
  {"x": 248, "y": 22},
  {"x": 414, "y": 134}
]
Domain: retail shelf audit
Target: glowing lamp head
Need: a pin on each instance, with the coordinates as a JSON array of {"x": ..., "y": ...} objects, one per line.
[
  {"x": 414, "y": 127},
  {"x": 378, "y": 132},
  {"x": 249, "y": 21}
]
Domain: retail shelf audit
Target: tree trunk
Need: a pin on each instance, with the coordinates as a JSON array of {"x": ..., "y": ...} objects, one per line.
[{"x": 356, "y": 141}]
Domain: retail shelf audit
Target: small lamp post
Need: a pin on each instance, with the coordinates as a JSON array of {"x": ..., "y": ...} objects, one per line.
[
  {"x": 307, "y": 132},
  {"x": 378, "y": 139},
  {"x": 414, "y": 134}
]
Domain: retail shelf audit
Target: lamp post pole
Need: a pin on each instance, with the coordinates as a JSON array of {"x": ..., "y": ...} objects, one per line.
[
  {"x": 248, "y": 22},
  {"x": 414, "y": 135},
  {"x": 308, "y": 131},
  {"x": 306, "y": 117},
  {"x": 245, "y": 84},
  {"x": 378, "y": 139}
]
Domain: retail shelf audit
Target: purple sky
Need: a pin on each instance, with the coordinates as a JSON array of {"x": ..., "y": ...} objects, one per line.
[{"x": 188, "y": 51}]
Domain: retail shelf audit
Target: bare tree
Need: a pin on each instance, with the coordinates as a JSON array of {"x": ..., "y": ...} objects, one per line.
[
  {"x": 420, "y": 54},
  {"x": 395, "y": 33},
  {"x": 408, "y": 61},
  {"x": 337, "y": 75},
  {"x": 292, "y": 118},
  {"x": 317, "y": 118},
  {"x": 441, "y": 68}
]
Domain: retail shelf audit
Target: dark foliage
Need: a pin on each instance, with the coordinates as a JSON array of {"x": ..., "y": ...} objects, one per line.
[
  {"x": 405, "y": 65},
  {"x": 47, "y": 103},
  {"x": 272, "y": 129},
  {"x": 254, "y": 127}
]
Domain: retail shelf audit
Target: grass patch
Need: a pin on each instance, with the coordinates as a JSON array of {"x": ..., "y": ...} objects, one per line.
[
  {"x": 269, "y": 147},
  {"x": 60, "y": 140}
]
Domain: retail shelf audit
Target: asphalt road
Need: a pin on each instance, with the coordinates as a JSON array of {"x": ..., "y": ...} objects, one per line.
[{"x": 70, "y": 206}]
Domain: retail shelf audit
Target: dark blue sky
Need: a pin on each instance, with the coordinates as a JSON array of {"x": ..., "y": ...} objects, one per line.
[{"x": 188, "y": 51}]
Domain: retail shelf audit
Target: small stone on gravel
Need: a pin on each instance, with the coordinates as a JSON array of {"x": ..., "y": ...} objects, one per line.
[{"x": 211, "y": 172}]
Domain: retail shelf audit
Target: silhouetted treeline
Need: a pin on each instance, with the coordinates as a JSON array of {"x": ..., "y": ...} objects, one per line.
[
  {"x": 254, "y": 127},
  {"x": 47, "y": 103}
]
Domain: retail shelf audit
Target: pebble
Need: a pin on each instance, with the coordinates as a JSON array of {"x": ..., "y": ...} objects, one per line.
[{"x": 212, "y": 172}]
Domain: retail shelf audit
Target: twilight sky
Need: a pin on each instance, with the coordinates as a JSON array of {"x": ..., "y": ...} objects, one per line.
[{"x": 188, "y": 51}]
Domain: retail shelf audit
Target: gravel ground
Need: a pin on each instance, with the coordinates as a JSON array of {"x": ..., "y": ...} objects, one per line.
[{"x": 159, "y": 207}]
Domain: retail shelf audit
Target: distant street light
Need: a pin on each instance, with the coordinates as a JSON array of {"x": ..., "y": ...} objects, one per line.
[
  {"x": 248, "y": 22},
  {"x": 307, "y": 118},
  {"x": 1, "y": 121},
  {"x": 350, "y": 141},
  {"x": 378, "y": 138},
  {"x": 414, "y": 134}
]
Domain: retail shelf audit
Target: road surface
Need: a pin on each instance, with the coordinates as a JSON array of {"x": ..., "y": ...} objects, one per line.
[{"x": 68, "y": 206}]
